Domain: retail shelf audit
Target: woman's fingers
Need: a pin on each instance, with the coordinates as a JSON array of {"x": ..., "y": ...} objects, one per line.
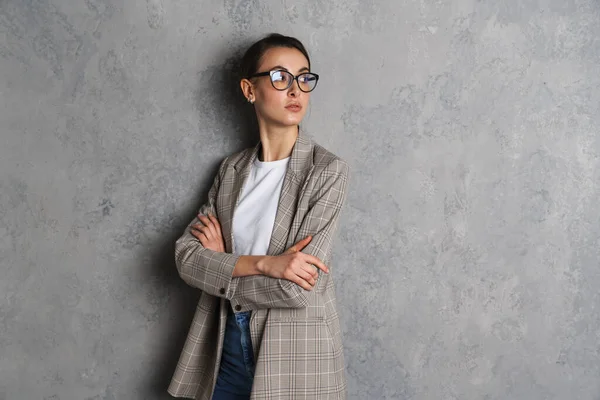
[
  {"x": 309, "y": 268},
  {"x": 218, "y": 232},
  {"x": 302, "y": 243},
  {"x": 202, "y": 230},
  {"x": 297, "y": 275},
  {"x": 316, "y": 262},
  {"x": 299, "y": 245},
  {"x": 216, "y": 224},
  {"x": 198, "y": 234},
  {"x": 208, "y": 231},
  {"x": 307, "y": 276},
  {"x": 209, "y": 225},
  {"x": 301, "y": 282},
  {"x": 215, "y": 221}
]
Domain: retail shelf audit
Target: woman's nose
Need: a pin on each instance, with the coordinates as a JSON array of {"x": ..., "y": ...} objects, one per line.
[{"x": 294, "y": 89}]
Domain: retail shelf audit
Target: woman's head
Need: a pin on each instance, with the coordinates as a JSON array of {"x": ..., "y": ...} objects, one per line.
[{"x": 268, "y": 69}]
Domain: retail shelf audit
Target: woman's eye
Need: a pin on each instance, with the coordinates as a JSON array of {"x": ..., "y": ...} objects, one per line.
[{"x": 278, "y": 76}]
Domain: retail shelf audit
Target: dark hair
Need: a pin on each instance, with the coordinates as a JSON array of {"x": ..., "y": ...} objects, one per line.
[{"x": 252, "y": 57}]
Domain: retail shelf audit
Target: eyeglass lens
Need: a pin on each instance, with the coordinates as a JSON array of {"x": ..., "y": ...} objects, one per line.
[{"x": 282, "y": 80}]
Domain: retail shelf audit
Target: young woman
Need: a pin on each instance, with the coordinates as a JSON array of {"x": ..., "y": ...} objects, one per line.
[{"x": 266, "y": 325}]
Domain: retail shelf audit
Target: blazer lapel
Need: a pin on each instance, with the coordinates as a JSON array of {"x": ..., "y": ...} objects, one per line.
[
  {"x": 293, "y": 183},
  {"x": 241, "y": 171}
]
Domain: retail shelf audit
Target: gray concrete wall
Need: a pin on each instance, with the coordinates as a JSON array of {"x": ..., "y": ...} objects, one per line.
[{"x": 467, "y": 259}]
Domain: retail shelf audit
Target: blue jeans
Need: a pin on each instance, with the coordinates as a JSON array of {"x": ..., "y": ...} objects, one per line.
[{"x": 236, "y": 372}]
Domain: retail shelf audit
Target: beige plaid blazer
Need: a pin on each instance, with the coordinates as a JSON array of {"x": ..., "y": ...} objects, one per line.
[{"x": 295, "y": 333}]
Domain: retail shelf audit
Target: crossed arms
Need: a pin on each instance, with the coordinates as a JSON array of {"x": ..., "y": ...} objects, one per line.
[{"x": 213, "y": 271}]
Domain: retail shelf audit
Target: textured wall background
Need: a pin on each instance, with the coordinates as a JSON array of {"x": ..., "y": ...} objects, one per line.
[{"x": 467, "y": 259}]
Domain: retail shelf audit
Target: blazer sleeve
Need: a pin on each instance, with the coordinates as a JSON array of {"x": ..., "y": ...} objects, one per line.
[
  {"x": 205, "y": 269},
  {"x": 259, "y": 291}
]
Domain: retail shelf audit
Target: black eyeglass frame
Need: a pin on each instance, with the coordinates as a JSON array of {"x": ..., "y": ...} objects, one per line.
[{"x": 294, "y": 78}]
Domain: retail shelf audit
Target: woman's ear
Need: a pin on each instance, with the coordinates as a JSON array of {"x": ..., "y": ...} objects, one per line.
[{"x": 247, "y": 90}]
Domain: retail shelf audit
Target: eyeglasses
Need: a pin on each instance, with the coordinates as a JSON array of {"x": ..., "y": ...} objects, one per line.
[{"x": 282, "y": 80}]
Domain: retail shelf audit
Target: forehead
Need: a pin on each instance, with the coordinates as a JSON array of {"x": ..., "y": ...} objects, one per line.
[{"x": 291, "y": 59}]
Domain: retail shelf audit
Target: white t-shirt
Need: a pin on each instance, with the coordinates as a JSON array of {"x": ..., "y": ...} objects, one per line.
[{"x": 254, "y": 215}]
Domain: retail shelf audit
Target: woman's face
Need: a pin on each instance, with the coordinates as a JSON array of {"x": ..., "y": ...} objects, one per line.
[{"x": 279, "y": 107}]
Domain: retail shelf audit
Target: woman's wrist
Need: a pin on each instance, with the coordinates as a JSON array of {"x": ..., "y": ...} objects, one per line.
[
  {"x": 261, "y": 264},
  {"x": 249, "y": 265}
]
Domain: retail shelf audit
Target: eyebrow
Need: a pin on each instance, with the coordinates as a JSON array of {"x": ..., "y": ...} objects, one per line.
[{"x": 303, "y": 69}]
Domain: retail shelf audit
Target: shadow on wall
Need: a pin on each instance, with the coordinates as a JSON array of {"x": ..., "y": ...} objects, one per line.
[
  {"x": 222, "y": 108},
  {"x": 220, "y": 103}
]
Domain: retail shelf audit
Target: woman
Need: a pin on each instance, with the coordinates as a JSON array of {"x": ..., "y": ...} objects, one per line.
[{"x": 266, "y": 325}]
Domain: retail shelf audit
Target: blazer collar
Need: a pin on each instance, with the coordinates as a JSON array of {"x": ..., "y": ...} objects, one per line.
[{"x": 300, "y": 161}]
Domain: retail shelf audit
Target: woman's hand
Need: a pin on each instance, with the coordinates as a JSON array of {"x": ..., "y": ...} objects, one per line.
[
  {"x": 294, "y": 265},
  {"x": 209, "y": 233}
]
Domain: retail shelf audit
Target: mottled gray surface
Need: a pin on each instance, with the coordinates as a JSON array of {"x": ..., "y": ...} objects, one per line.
[{"x": 467, "y": 259}]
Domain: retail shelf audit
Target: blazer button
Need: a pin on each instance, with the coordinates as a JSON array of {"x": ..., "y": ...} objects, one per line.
[
  {"x": 238, "y": 307},
  {"x": 222, "y": 290}
]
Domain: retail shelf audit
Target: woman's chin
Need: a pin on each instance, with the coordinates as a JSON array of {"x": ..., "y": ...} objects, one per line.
[
  {"x": 293, "y": 120},
  {"x": 288, "y": 122}
]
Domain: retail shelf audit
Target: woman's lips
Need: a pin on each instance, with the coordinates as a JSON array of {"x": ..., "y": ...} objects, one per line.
[{"x": 294, "y": 107}]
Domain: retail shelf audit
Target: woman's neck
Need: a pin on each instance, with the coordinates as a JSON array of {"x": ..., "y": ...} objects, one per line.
[{"x": 277, "y": 143}]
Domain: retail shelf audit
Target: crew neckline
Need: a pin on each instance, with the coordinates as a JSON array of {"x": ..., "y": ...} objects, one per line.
[{"x": 271, "y": 164}]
